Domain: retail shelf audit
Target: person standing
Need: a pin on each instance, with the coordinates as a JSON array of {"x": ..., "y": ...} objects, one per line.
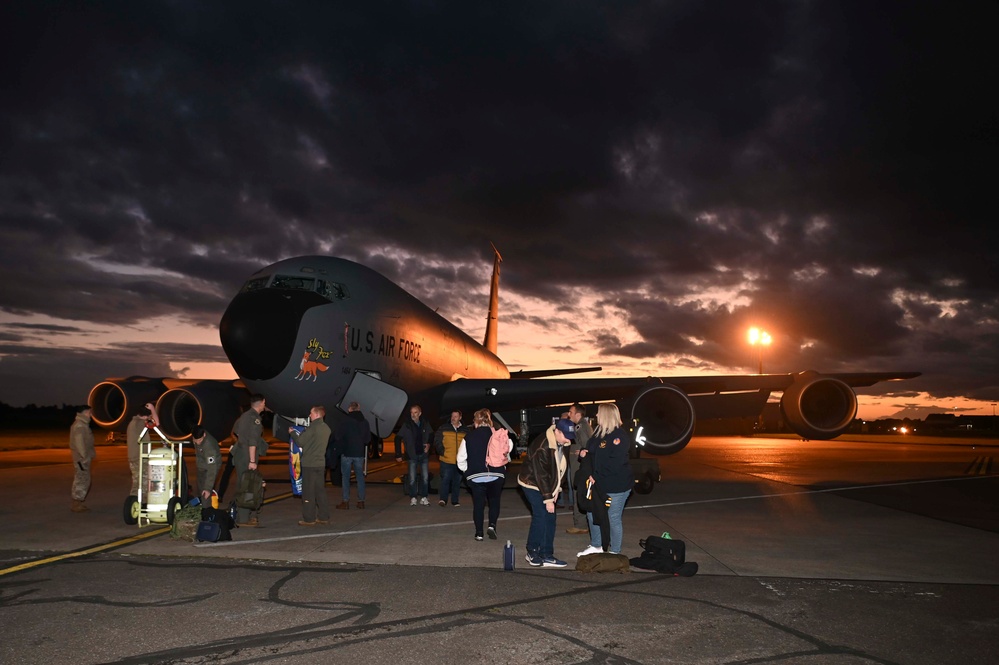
[
  {"x": 144, "y": 420},
  {"x": 485, "y": 481},
  {"x": 81, "y": 444},
  {"x": 352, "y": 436},
  {"x": 612, "y": 475},
  {"x": 447, "y": 441},
  {"x": 208, "y": 457},
  {"x": 541, "y": 479},
  {"x": 248, "y": 450},
  {"x": 412, "y": 443},
  {"x": 577, "y": 414},
  {"x": 315, "y": 501}
]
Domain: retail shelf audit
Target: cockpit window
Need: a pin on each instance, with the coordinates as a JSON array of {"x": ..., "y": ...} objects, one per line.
[
  {"x": 325, "y": 288},
  {"x": 295, "y": 283},
  {"x": 256, "y": 283},
  {"x": 331, "y": 290}
]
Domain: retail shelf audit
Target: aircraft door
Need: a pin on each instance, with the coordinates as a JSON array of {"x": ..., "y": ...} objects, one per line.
[{"x": 381, "y": 403}]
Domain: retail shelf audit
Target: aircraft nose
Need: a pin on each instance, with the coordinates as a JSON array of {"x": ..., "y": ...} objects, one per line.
[{"x": 259, "y": 329}]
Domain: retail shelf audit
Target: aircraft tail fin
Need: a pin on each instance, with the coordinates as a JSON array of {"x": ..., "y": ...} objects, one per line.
[{"x": 490, "y": 341}]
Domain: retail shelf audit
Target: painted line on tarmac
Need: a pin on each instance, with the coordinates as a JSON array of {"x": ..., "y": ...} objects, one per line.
[
  {"x": 982, "y": 466},
  {"x": 122, "y": 542},
  {"x": 104, "y": 547},
  {"x": 778, "y": 495},
  {"x": 355, "y": 532},
  {"x": 358, "y": 532}
]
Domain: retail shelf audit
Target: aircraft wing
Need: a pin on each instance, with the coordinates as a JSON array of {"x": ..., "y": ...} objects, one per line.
[{"x": 816, "y": 406}]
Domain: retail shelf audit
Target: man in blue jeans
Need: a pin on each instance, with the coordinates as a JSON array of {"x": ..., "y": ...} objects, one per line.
[
  {"x": 447, "y": 441},
  {"x": 351, "y": 438},
  {"x": 412, "y": 443}
]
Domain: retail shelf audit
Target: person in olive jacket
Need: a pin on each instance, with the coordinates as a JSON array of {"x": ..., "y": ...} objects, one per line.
[
  {"x": 248, "y": 450},
  {"x": 315, "y": 500}
]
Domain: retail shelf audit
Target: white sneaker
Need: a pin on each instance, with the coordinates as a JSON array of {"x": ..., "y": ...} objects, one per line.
[
  {"x": 424, "y": 502},
  {"x": 412, "y": 501},
  {"x": 589, "y": 550}
]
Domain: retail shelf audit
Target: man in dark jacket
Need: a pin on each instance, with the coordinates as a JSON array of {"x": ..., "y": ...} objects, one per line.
[
  {"x": 351, "y": 438},
  {"x": 412, "y": 443},
  {"x": 577, "y": 414}
]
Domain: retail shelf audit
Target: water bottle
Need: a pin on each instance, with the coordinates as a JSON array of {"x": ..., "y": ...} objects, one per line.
[{"x": 508, "y": 556}]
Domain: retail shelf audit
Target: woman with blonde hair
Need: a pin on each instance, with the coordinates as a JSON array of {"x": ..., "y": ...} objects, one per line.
[
  {"x": 485, "y": 481},
  {"x": 612, "y": 475}
]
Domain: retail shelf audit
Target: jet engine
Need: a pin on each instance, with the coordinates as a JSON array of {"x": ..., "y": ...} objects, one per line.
[
  {"x": 818, "y": 407},
  {"x": 113, "y": 402},
  {"x": 215, "y": 405},
  {"x": 664, "y": 419}
]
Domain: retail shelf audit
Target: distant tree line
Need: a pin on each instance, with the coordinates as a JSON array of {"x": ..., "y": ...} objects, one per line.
[{"x": 38, "y": 417}]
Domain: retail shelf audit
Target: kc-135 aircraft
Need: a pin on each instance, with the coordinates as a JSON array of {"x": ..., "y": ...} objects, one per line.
[{"x": 325, "y": 330}]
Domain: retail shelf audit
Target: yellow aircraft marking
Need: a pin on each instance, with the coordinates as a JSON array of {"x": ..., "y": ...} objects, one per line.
[
  {"x": 982, "y": 466},
  {"x": 84, "y": 552},
  {"x": 122, "y": 542}
]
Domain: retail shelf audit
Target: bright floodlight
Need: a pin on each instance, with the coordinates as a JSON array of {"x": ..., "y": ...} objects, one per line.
[
  {"x": 757, "y": 336},
  {"x": 759, "y": 339}
]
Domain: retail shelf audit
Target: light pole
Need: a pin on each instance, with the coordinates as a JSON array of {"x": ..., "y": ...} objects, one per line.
[{"x": 759, "y": 339}]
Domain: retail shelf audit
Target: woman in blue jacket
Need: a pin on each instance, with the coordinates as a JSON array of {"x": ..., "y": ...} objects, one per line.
[{"x": 612, "y": 474}]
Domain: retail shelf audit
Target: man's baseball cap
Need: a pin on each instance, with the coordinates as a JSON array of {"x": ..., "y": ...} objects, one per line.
[{"x": 567, "y": 427}]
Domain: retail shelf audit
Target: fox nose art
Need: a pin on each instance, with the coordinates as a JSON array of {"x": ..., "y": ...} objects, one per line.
[{"x": 259, "y": 329}]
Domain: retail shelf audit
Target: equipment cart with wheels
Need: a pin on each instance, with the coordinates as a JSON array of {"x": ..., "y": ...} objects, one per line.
[{"x": 162, "y": 481}]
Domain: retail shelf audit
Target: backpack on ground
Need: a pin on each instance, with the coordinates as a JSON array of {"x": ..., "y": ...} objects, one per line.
[
  {"x": 498, "y": 449},
  {"x": 664, "y": 555},
  {"x": 216, "y": 525},
  {"x": 185, "y": 522},
  {"x": 250, "y": 490},
  {"x": 603, "y": 562}
]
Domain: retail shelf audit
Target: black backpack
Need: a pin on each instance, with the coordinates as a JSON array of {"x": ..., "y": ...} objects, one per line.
[
  {"x": 664, "y": 555},
  {"x": 216, "y": 525}
]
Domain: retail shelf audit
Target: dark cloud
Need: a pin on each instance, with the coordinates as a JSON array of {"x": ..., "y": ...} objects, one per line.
[{"x": 823, "y": 166}]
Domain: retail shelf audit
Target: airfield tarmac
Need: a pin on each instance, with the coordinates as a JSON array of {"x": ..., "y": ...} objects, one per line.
[{"x": 812, "y": 552}]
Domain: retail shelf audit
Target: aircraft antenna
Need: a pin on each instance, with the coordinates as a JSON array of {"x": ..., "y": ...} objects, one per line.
[{"x": 490, "y": 341}]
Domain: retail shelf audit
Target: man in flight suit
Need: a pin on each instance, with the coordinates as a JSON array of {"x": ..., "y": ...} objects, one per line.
[
  {"x": 81, "y": 443},
  {"x": 248, "y": 449}
]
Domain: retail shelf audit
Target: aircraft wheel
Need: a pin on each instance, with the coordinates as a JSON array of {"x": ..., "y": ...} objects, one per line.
[
  {"x": 644, "y": 484},
  {"x": 131, "y": 510},
  {"x": 172, "y": 507}
]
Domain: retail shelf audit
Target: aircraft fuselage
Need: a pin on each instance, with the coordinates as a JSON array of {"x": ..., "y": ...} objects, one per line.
[{"x": 300, "y": 329}]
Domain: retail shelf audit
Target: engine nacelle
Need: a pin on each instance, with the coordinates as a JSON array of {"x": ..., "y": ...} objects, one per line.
[
  {"x": 215, "y": 405},
  {"x": 113, "y": 402},
  {"x": 664, "y": 419},
  {"x": 818, "y": 407}
]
